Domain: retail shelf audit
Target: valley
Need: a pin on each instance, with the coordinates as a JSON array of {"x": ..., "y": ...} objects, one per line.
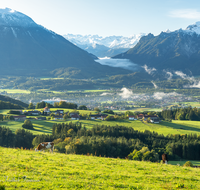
[{"x": 111, "y": 105}]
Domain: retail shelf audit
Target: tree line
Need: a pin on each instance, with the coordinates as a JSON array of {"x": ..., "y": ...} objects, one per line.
[
  {"x": 120, "y": 141},
  {"x": 21, "y": 138},
  {"x": 61, "y": 104},
  {"x": 188, "y": 113}
]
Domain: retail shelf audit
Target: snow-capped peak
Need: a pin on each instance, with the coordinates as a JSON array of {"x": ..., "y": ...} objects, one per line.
[
  {"x": 194, "y": 28},
  {"x": 167, "y": 31},
  {"x": 109, "y": 41},
  {"x": 9, "y": 17},
  {"x": 6, "y": 11}
]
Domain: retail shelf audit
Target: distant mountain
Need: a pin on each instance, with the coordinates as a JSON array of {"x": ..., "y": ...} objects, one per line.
[
  {"x": 178, "y": 50},
  {"x": 104, "y": 46},
  {"x": 30, "y": 49}
]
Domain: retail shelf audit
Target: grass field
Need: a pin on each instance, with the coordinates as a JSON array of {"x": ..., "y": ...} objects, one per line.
[
  {"x": 4, "y": 112},
  {"x": 25, "y": 169},
  {"x": 182, "y": 162},
  {"x": 165, "y": 128},
  {"x": 15, "y": 91},
  {"x": 193, "y": 104},
  {"x": 139, "y": 110}
]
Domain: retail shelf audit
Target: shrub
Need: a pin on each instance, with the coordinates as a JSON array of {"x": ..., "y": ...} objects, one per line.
[
  {"x": 2, "y": 187},
  {"x": 27, "y": 124},
  {"x": 188, "y": 164}
]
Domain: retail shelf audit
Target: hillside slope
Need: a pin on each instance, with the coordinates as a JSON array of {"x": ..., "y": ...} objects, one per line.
[
  {"x": 178, "y": 50},
  {"x": 13, "y": 101},
  {"x": 24, "y": 169}
]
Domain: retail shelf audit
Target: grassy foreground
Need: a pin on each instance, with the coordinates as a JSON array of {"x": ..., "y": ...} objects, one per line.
[{"x": 25, "y": 169}]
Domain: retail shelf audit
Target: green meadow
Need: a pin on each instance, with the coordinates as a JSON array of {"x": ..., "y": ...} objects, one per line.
[
  {"x": 165, "y": 128},
  {"x": 26, "y": 169},
  {"x": 15, "y": 91}
]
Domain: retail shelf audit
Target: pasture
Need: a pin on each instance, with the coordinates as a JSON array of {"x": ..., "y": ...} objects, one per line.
[
  {"x": 165, "y": 128},
  {"x": 25, "y": 169}
]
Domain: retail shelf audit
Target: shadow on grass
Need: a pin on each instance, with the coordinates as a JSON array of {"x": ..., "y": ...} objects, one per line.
[
  {"x": 179, "y": 126},
  {"x": 41, "y": 129}
]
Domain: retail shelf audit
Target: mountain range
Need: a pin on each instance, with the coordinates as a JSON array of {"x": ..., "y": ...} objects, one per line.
[
  {"x": 169, "y": 51},
  {"x": 32, "y": 50},
  {"x": 104, "y": 46}
]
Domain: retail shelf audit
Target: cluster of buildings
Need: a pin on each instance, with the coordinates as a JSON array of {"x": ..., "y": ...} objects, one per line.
[
  {"x": 58, "y": 115},
  {"x": 145, "y": 117}
]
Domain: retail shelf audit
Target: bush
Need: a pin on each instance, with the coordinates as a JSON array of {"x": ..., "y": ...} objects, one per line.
[
  {"x": 188, "y": 164},
  {"x": 108, "y": 111},
  {"x": 2, "y": 187},
  {"x": 27, "y": 124}
]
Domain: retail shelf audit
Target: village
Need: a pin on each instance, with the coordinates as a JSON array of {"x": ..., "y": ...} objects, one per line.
[{"x": 47, "y": 114}]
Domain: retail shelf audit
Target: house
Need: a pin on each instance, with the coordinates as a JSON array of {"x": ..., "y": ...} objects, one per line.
[
  {"x": 72, "y": 113},
  {"x": 152, "y": 117},
  {"x": 19, "y": 118},
  {"x": 75, "y": 117},
  {"x": 155, "y": 121},
  {"x": 56, "y": 117},
  {"x": 97, "y": 116},
  {"x": 103, "y": 117},
  {"x": 40, "y": 118},
  {"x": 132, "y": 117},
  {"x": 140, "y": 116},
  {"x": 46, "y": 110},
  {"x": 59, "y": 112},
  {"x": 35, "y": 112}
]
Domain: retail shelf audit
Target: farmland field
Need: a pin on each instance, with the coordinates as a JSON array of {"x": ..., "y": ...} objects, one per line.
[{"x": 25, "y": 169}]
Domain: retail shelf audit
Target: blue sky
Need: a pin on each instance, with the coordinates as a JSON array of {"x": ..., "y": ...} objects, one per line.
[{"x": 109, "y": 17}]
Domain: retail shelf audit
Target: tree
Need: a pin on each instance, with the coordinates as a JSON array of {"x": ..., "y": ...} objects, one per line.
[
  {"x": 192, "y": 115},
  {"x": 12, "y": 118},
  {"x": 1, "y": 117},
  {"x": 128, "y": 113},
  {"x": 97, "y": 109},
  {"x": 27, "y": 124},
  {"x": 65, "y": 116},
  {"x": 108, "y": 111},
  {"x": 137, "y": 156},
  {"x": 40, "y": 105},
  {"x": 82, "y": 107},
  {"x": 31, "y": 106}
]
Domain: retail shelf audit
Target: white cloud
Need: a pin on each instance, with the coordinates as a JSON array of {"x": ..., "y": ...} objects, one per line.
[
  {"x": 185, "y": 13},
  {"x": 184, "y": 76},
  {"x": 170, "y": 75},
  {"x": 161, "y": 95},
  {"x": 155, "y": 86},
  {"x": 126, "y": 93},
  {"x": 105, "y": 94},
  {"x": 195, "y": 85},
  {"x": 122, "y": 63},
  {"x": 148, "y": 70}
]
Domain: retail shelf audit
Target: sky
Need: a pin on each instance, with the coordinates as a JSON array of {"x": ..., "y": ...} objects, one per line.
[{"x": 109, "y": 17}]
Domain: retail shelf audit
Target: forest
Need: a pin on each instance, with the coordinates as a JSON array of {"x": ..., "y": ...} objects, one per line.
[{"x": 188, "y": 113}]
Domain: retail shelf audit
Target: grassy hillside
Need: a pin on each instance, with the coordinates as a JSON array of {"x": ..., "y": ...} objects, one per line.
[
  {"x": 24, "y": 169},
  {"x": 165, "y": 128}
]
